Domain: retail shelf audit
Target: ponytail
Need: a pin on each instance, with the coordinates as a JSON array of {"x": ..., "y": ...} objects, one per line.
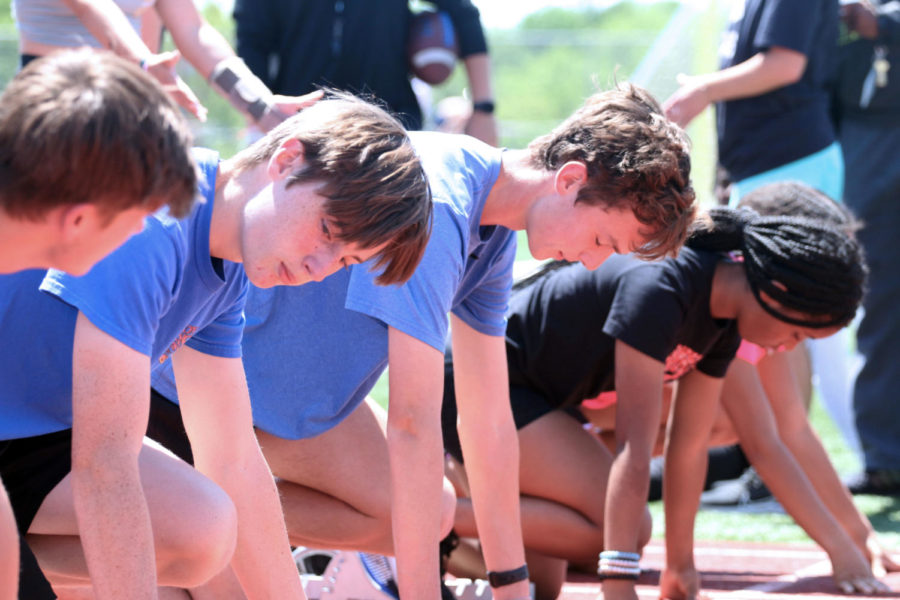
[{"x": 805, "y": 265}]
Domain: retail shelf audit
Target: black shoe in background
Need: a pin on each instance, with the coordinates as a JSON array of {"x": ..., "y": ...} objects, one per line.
[{"x": 878, "y": 482}]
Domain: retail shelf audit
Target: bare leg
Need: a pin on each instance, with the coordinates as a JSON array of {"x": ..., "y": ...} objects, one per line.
[
  {"x": 9, "y": 550},
  {"x": 563, "y": 475},
  {"x": 194, "y": 525},
  {"x": 335, "y": 486}
]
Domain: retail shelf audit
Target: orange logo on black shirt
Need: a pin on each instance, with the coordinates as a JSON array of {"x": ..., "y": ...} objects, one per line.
[{"x": 681, "y": 360}]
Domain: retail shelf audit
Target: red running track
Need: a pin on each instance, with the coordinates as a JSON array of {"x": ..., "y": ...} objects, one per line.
[{"x": 740, "y": 571}]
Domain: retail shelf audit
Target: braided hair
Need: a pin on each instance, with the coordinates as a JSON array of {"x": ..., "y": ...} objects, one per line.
[{"x": 811, "y": 266}]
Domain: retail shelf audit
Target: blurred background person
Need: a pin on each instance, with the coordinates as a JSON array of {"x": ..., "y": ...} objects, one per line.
[
  {"x": 297, "y": 46},
  {"x": 867, "y": 108}
]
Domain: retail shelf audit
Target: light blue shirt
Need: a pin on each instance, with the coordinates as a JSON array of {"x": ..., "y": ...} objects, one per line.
[{"x": 313, "y": 352}]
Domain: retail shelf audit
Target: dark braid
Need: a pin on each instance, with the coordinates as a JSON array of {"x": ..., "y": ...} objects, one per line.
[{"x": 805, "y": 265}]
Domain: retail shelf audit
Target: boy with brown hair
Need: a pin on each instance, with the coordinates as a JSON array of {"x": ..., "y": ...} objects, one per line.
[
  {"x": 89, "y": 145},
  {"x": 102, "y": 508},
  {"x": 613, "y": 177}
]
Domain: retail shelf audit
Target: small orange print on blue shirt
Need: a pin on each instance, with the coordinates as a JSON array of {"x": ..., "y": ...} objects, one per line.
[{"x": 178, "y": 343}]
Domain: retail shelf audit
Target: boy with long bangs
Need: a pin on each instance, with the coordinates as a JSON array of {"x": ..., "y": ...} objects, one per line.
[
  {"x": 613, "y": 177},
  {"x": 68, "y": 123},
  {"x": 283, "y": 212}
]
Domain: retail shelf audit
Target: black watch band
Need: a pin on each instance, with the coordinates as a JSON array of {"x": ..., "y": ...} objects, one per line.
[
  {"x": 501, "y": 578},
  {"x": 484, "y": 106}
]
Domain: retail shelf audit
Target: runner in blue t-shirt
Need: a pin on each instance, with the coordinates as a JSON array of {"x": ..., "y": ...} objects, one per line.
[
  {"x": 337, "y": 184},
  {"x": 613, "y": 177},
  {"x": 53, "y": 213}
]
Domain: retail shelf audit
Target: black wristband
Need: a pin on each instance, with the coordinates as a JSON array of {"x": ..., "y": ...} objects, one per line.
[
  {"x": 603, "y": 576},
  {"x": 484, "y": 106},
  {"x": 501, "y": 578}
]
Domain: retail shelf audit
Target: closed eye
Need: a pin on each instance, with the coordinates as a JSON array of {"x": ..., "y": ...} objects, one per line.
[{"x": 325, "y": 230}]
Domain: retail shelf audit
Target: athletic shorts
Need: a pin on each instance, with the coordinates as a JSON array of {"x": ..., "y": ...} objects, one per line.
[
  {"x": 167, "y": 428},
  {"x": 527, "y": 406},
  {"x": 30, "y": 469}
]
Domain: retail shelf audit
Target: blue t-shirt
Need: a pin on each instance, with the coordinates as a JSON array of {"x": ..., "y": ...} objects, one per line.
[
  {"x": 312, "y": 353},
  {"x": 158, "y": 291},
  {"x": 772, "y": 129}
]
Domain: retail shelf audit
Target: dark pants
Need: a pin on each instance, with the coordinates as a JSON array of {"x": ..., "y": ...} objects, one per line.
[{"x": 872, "y": 191}]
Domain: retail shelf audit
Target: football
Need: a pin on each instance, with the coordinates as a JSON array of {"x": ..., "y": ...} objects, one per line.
[{"x": 431, "y": 48}]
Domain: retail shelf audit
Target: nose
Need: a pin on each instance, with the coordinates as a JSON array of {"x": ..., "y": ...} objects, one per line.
[{"x": 323, "y": 262}]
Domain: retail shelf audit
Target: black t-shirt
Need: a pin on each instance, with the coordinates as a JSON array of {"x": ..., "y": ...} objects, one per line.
[
  {"x": 296, "y": 46},
  {"x": 560, "y": 339},
  {"x": 762, "y": 132}
]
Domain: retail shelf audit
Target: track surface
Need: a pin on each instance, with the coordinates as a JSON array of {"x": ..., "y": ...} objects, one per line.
[{"x": 738, "y": 571}]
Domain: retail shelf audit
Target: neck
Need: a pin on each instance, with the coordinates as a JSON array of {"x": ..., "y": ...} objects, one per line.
[
  {"x": 234, "y": 188},
  {"x": 517, "y": 188},
  {"x": 23, "y": 244},
  {"x": 729, "y": 289}
]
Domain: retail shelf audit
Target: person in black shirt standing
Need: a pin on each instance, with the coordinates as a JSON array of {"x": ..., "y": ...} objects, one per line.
[
  {"x": 628, "y": 328},
  {"x": 358, "y": 46}
]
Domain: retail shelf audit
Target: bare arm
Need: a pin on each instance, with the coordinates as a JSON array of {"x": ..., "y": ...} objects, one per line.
[
  {"x": 694, "y": 410},
  {"x": 639, "y": 385},
  {"x": 109, "y": 26},
  {"x": 481, "y": 125},
  {"x": 416, "y": 455},
  {"x": 215, "y": 406},
  {"x": 491, "y": 448},
  {"x": 806, "y": 447},
  {"x": 755, "y": 424},
  {"x": 110, "y": 404},
  {"x": 761, "y": 73}
]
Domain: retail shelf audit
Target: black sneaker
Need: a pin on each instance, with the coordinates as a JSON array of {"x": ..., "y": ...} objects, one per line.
[
  {"x": 737, "y": 492},
  {"x": 879, "y": 482}
]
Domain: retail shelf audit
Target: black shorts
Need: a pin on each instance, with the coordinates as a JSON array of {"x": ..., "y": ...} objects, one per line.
[
  {"x": 167, "y": 428},
  {"x": 30, "y": 469},
  {"x": 527, "y": 406}
]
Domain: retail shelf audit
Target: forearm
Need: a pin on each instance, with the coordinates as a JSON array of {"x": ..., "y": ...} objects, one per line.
[
  {"x": 416, "y": 484},
  {"x": 262, "y": 559},
  {"x": 811, "y": 455},
  {"x": 114, "y": 526},
  {"x": 789, "y": 484},
  {"x": 109, "y": 26},
  {"x": 491, "y": 449},
  {"x": 759, "y": 74},
  {"x": 685, "y": 470},
  {"x": 202, "y": 46},
  {"x": 478, "y": 69}
]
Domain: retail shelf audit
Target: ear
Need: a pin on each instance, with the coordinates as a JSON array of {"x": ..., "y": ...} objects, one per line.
[
  {"x": 286, "y": 159},
  {"x": 570, "y": 177},
  {"x": 75, "y": 220}
]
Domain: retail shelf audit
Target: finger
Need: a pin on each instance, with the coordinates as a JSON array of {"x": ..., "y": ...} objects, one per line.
[
  {"x": 170, "y": 58},
  {"x": 889, "y": 564},
  {"x": 845, "y": 586}
]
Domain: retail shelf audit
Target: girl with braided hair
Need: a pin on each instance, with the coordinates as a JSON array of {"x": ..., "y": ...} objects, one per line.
[{"x": 627, "y": 329}]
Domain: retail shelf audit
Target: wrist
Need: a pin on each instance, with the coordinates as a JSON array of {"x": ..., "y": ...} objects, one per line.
[
  {"x": 485, "y": 106},
  {"x": 499, "y": 579}
]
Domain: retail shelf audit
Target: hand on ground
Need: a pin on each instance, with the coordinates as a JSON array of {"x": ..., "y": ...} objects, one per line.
[
  {"x": 853, "y": 575},
  {"x": 680, "y": 585}
]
